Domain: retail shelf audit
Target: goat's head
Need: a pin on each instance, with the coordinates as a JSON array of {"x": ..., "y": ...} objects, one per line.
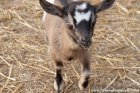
[{"x": 79, "y": 16}]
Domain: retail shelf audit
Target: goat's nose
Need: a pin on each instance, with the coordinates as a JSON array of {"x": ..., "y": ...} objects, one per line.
[{"x": 86, "y": 41}]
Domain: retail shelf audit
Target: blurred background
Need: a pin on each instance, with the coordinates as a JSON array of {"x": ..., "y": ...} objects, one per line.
[{"x": 25, "y": 66}]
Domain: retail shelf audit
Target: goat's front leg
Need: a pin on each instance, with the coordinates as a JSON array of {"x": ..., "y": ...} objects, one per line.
[
  {"x": 85, "y": 73},
  {"x": 58, "y": 80}
]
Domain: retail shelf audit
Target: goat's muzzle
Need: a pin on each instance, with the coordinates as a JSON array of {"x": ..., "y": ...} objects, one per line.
[{"x": 85, "y": 43}]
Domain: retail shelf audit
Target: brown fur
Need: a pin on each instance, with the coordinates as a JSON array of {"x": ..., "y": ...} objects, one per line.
[{"x": 62, "y": 47}]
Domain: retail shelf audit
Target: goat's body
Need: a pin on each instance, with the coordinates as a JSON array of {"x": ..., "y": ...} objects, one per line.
[
  {"x": 70, "y": 39},
  {"x": 63, "y": 48}
]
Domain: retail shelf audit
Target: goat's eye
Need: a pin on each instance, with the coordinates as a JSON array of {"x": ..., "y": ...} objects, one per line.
[{"x": 70, "y": 27}]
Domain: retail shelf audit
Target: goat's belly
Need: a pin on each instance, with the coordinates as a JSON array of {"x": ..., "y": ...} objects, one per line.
[
  {"x": 64, "y": 55},
  {"x": 70, "y": 55}
]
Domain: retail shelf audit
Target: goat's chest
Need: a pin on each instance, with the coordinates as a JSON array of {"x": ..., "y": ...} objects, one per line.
[{"x": 65, "y": 51}]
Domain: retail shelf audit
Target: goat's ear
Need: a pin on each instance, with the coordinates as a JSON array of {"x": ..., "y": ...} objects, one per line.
[
  {"x": 105, "y": 4},
  {"x": 50, "y": 8}
]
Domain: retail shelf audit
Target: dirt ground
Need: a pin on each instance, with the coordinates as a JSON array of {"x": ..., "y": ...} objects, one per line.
[{"x": 115, "y": 53}]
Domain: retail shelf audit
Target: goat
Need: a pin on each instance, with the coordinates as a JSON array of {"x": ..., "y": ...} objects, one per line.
[{"x": 69, "y": 33}]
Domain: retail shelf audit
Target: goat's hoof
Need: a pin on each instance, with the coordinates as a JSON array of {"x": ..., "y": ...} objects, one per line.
[
  {"x": 83, "y": 85},
  {"x": 59, "y": 88}
]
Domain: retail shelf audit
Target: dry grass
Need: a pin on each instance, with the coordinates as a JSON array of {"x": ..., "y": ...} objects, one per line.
[{"x": 26, "y": 68}]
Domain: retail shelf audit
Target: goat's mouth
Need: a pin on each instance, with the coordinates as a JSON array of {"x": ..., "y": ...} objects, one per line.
[{"x": 84, "y": 44}]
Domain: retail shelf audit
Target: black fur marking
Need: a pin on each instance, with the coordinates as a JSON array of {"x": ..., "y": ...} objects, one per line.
[
  {"x": 105, "y": 4},
  {"x": 58, "y": 78},
  {"x": 85, "y": 84},
  {"x": 84, "y": 28},
  {"x": 59, "y": 64},
  {"x": 50, "y": 8},
  {"x": 86, "y": 66}
]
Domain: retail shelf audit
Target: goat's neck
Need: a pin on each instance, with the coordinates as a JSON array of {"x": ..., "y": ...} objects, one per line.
[{"x": 68, "y": 39}]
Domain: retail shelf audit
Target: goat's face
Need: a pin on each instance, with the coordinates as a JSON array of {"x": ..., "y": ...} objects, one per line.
[{"x": 80, "y": 18}]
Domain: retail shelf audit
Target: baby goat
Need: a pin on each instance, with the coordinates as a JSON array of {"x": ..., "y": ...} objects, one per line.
[{"x": 69, "y": 34}]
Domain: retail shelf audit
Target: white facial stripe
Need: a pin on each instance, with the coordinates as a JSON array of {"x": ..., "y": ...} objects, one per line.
[
  {"x": 80, "y": 16},
  {"x": 81, "y": 7}
]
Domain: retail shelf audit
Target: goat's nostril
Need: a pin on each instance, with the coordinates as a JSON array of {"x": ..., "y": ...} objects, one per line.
[{"x": 85, "y": 40}]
